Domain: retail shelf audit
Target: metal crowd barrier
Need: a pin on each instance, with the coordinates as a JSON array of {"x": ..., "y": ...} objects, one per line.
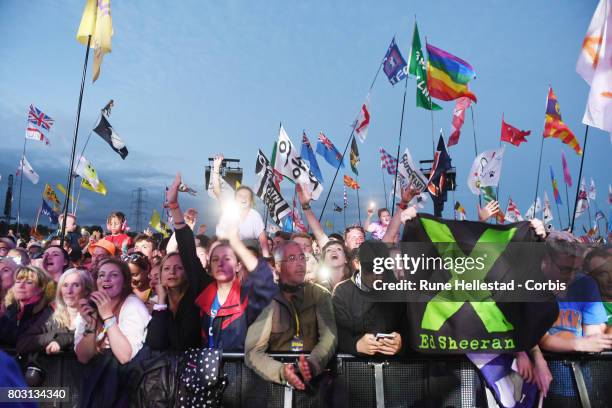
[{"x": 412, "y": 381}]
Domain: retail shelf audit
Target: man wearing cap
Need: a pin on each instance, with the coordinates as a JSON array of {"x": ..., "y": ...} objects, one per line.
[{"x": 99, "y": 251}]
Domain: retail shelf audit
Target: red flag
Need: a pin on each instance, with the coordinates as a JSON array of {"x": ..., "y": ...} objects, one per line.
[
  {"x": 513, "y": 135},
  {"x": 458, "y": 118},
  {"x": 351, "y": 183}
]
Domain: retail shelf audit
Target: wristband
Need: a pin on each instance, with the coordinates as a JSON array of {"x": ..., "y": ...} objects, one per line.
[
  {"x": 159, "y": 308},
  {"x": 402, "y": 206},
  {"x": 110, "y": 317},
  {"x": 305, "y": 207},
  {"x": 110, "y": 323},
  {"x": 172, "y": 206},
  {"x": 179, "y": 223}
]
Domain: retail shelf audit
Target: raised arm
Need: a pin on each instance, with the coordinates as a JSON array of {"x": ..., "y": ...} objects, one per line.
[
  {"x": 215, "y": 175},
  {"x": 368, "y": 221},
  {"x": 305, "y": 198},
  {"x": 196, "y": 275},
  {"x": 401, "y": 217}
]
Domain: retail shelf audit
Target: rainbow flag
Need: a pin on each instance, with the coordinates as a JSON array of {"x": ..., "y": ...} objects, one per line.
[
  {"x": 554, "y": 125},
  {"x": 555, "y": 187},
  {"x": 448, "y": 75}
]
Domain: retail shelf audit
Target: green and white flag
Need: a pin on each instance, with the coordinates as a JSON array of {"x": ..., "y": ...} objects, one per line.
[{"x": 418, "y": 68}]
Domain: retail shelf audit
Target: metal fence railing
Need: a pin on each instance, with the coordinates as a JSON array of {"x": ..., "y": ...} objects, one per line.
[{"x": 413, "y": 381}]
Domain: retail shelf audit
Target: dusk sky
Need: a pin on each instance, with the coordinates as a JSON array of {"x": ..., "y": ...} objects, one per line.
[{"x": 194, "y": 78}]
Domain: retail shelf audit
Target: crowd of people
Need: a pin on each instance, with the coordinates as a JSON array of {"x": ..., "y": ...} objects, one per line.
[{"x": 117, "y": 299}]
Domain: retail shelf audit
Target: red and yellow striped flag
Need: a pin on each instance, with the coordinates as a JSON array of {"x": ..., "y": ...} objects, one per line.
[{"x": 554, "y": 125}]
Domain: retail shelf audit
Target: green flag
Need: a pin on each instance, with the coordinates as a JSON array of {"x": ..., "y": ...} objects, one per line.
[{"x": 417, "y": 68}]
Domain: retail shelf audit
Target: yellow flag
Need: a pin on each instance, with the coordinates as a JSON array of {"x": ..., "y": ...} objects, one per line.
[
  {"x": 62, "y": 190},
  {"x": 50, "y": 195},
  {"x": 100, "y": 190},
  {"x": 97, "y": 23},
  {"x": 156, "y": 223}
]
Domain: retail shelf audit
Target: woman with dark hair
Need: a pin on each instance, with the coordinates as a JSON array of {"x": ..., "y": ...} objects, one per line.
[
  {"x": 32, "y": 292},
  {"x": 110, "y": 331},
  {"x": 139, "y": 271},
  {"x": 55, "y": 261},
  {"x": 250, "y": 223},
  {"x": 53, "y": 330},
  {"x": 226, "y": 304},
  {"x": 334, "y": 266}
]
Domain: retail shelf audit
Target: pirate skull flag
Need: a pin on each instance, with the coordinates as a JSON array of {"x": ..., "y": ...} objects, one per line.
[{"x": 474, "y": 299}]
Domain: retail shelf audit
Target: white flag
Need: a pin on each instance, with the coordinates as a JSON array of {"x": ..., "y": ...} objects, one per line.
[
  {"x": 28, "y": 171},
  {"x": 290, "y": 164},
  {"x": 33, "y": 133},
  {"x": 411, "y": 173},
  {"x": 583, "y": 199},
  {"x": 363, "y": 122},
  {"x": 592, "y": 191},
  {"x": 86, "y": 171},
  {"x": 486, "y": 170},
  {"x": 530, "y": 212},
  {"x": 547, "y": 213},
  {"x": 595, "y": 66},
  {"x": 512, "y": 212}
]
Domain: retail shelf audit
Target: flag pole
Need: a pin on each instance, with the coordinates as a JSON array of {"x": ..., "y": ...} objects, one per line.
[
  {"x": 567, "y": 204},
  {"x": 76, "y": 205},
  {"x": 344, "y": 216},
  {"x": 586, "y": 134},
  {"x": 348, "y": 143},
  {"x": 358, "y": 206},
  {"x": 21, "y": 164},
  {"x": 399, "y": 142},
  {"x": 475, "y": 148},
  {"x": 382, "y": 172},
  {"x": 37, "y": 218},
  {"x": 535, "y": 199},
  {"x": 74, "y": 143}
]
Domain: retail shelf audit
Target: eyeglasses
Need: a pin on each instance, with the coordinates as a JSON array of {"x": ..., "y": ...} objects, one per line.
[
  {"x": 133, "y": 257},
  {"x": 293, "y": 258}
]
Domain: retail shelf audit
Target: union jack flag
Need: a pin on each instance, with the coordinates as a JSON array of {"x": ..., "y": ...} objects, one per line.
[
  {"x": 39, "y": 118},
  {"x": 387, "y": 162}
]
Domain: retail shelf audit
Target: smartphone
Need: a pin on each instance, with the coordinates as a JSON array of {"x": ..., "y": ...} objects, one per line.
[{"x": 380, "y": 336}]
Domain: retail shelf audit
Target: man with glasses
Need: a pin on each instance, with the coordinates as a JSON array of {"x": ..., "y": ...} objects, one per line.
[{"x": 299, "y": 319}]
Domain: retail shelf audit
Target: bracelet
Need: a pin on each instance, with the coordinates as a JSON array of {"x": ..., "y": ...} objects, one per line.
[
  {"x": 87, "y": 331},
  {"x": 160, "y": 307},
  {"x": 111, "y": 322},
  {"x": 110, "y": 317},
  {"x": 172, "y": 206},
  {"x": 179, "y": 223},
  {"x": 305, "y": 207},
  {"x": 402, "y": 206}
]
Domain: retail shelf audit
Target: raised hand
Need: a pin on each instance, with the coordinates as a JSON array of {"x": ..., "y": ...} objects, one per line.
[
  {"x": 304, "y": 196},
  {"x": 409, "y": 193},
  {"x": 218, "y": 159},
  {"x": 539, "y": 227},
  {"x": 172, "y": 192},
  {"x": 488, "y": 211}
]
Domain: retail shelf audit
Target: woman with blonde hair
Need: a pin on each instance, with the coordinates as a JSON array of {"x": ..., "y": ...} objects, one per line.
[
  {"x": 32, "y": 291},
  {"x": 53, "y": 330}
]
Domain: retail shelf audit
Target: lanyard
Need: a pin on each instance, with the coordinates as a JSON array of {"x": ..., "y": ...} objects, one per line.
[{"x": 297, "y": 319}]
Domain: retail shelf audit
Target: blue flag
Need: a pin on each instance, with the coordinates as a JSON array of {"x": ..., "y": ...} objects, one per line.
[
  {"x": 308, "y": 155},
  {"x": 394, "y": 64},
  {"x": 48, "y": 211},
  {"x": 329, "y": 152}
]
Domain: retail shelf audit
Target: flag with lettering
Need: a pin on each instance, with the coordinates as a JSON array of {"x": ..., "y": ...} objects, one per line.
[
  {"x": 45, "y": 209},
  {"x": 418, "y": 68},
  {"x": 394, "y": 65},
  {"x": 289, "y": 164},
  {"x": 459, "y": 318},
  {"x": 267, "y": 191}
]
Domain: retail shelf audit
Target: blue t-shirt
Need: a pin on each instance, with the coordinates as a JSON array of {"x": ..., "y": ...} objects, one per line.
[
  {"x": 572, "y": 315},
  {"x": 214, "y": 308}
]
